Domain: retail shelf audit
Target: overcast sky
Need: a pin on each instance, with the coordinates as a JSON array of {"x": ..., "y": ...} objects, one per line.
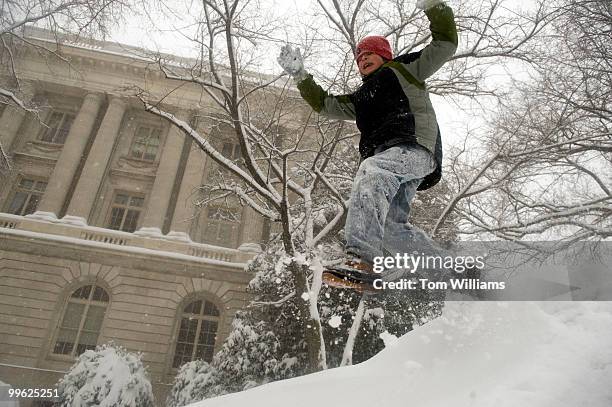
[{"x": 165, "y": 37}]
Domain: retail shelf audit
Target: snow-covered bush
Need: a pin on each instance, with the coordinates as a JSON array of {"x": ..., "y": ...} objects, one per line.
[
  {"x": 248, "y": 358},
  {"x": 195, "y": 381},
  {"x": 267, "y": 341},
  {"x": 109, "y": 376}
]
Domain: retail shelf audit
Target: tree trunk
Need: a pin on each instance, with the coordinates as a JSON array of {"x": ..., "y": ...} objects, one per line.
[
  {"x": 347, "y": 356},
  {"x": 311, "y": 326}
]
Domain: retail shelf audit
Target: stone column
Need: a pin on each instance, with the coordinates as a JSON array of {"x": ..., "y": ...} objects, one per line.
[
  {"x": 12, "y": 116},
  {"x": 185, "y": 209},
  {"x": 165, "y": 178},
  {"x": 93, "y": 172},
  {"x": 252, "y": 224},
  {"x": 68, "y": 161},
  {"x": 10, "y": 122}
]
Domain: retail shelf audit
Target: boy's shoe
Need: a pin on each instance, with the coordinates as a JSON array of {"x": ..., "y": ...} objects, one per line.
[
  {"x": 353, "y": 274},
  {"x": 335, "y": 281}
]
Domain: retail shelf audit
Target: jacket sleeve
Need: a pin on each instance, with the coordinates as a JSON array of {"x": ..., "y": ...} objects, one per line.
[
  {"x": 442, "y": 46},
  {"x": 332, "y": 106}
]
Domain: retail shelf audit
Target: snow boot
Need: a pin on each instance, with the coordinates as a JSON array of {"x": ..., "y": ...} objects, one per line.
[{"x": 353, "y": 274}]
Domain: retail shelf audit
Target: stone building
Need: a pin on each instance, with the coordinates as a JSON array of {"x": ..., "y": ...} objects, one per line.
[{"x": 99, "y": 235}]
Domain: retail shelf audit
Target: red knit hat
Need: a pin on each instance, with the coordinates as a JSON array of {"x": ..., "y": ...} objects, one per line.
[{"x": 376, "y": 44}]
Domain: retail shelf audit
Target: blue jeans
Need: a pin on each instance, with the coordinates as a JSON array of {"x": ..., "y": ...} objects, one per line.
[{"x": 383, "y": 188}]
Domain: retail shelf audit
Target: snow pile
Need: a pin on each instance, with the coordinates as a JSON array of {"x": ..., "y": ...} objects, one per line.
[
  {"x": 390, "y": 340},
  {"x": 478, "y": 354},
  {"x": 107, "y": 377}
]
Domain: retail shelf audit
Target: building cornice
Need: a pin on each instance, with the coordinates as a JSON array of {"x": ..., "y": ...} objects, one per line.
[
  {"x": 128, "y": 62},
  {"x": 35, "y": 158},
  {"x": 91, "y": 244}
]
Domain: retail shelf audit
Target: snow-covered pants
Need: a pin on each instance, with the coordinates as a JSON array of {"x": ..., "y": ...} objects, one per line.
[{"x": 383, "y": 188}]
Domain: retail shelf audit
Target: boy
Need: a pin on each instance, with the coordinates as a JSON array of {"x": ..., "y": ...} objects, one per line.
[{"x": 400, "y": 142}]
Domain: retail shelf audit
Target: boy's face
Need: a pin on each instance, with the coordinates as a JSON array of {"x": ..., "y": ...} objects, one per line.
[{"x": 369, "y": 62}]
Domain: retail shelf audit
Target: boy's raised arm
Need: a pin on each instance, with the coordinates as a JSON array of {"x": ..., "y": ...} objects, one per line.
[
  {"x": 443, "y": 43},
  {"x": 332, "y": 106}
]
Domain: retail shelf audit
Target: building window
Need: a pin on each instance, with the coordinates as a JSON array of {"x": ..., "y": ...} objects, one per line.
[
  {"x": 27, "y": 196},
  {"x": 57, "y": 127},
  {"x": 197, "y": 333},
  {"x": 146, "y": 143},
  {"x": 231, "y": 151},
  {"x": 82, "y": 321},
  {"x": 125, "y": 212},
  {"x": 234, "y": 153},
  {"x": 221, "y": 226}
]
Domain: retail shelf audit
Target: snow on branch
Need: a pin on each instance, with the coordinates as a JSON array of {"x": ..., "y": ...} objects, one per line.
[
  {"x": 336, "y": 223},
  {"x": 11, "y": 96},
  {"x": 272, "y": 303},
  {"x": 170, "y": 74},
  {"x": 44, "y": 14},
  {"x": 247, "y": 153},
  {"x": 259, "y": 87},
  {"x": 271, "y": 195},
  {"x": 242, "y": 194},
  {"x": 347, "y": 356},
  {"x": 538, "y": 224}
]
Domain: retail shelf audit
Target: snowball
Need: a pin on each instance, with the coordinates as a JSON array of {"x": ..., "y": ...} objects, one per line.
[{"x": 335, "y": 321}]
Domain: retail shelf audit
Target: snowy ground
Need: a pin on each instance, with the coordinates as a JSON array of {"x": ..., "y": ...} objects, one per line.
[{"x": 479, "y": 354}]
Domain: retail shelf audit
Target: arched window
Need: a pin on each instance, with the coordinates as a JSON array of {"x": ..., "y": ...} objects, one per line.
[
  {"x": 197, "y": 333},
  {"x": 82, "y": 321}
]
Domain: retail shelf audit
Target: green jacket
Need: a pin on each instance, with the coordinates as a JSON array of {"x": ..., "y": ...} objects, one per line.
[{"x": 392, "y": 105}]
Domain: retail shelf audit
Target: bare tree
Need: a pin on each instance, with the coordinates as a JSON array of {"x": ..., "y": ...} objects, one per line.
[
  {"x": 543, "y": 169},
  {"x": 76, "y": 17},
  {"x": 293, "y": 168},
  {"x": 283, "y": 165}
]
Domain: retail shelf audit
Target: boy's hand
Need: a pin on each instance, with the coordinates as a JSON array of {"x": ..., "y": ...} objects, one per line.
[
  {"x": 427, "y": 4},
  {"x": 292, "y": 62}
]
